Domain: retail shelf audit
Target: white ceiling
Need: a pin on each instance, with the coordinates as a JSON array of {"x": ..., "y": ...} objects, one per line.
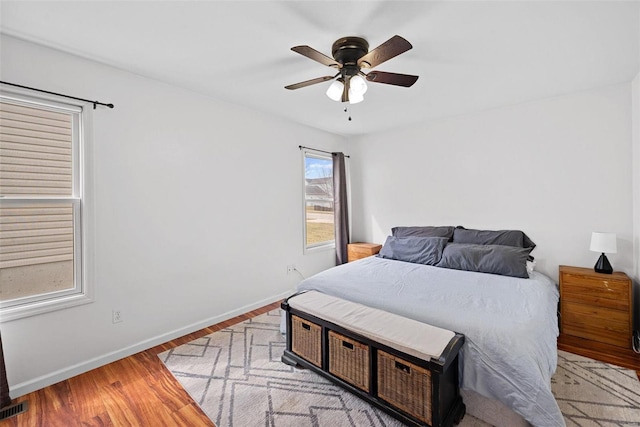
[{"x": 470, "y": 56}]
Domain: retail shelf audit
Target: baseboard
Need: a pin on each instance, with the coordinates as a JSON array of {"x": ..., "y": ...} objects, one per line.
[{"x": 26, "y": 387}]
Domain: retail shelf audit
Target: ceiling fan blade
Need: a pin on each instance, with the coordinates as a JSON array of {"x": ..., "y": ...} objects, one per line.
[
  {"x": 396, "y": 79},
  {"x": 387, "y": 50},
  {"x": 311, "y": 53},
  {"x": 309, "y": 82}
]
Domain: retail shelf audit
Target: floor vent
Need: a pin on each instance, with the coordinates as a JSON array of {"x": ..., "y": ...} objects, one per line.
[{"x": 13, "y": 410}]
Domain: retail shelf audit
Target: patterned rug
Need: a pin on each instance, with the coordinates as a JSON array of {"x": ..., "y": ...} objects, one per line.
[
  {"x": 237, "y": 378},
  {"x": 592, "y": 393}
]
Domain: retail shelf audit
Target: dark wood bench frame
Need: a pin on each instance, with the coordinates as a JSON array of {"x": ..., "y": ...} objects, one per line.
[{"x": 447, "y": 406}]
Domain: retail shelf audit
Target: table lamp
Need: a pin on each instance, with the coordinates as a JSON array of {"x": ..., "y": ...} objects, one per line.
[{"x": 603, "y": 242}]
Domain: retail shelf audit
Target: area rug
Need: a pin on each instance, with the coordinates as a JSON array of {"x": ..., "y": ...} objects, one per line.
[
  {"x": 237, "y": 378},
  {"x": 592, "y": 393}
]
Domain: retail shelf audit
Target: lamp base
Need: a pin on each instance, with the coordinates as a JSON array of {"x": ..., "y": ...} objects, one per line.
[{"x": 603, "y": 266}]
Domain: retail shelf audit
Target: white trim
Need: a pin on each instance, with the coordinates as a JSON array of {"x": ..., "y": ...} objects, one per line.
[
  {"x": 44, "y": 306},
  {"x": 26, "y": 387}
]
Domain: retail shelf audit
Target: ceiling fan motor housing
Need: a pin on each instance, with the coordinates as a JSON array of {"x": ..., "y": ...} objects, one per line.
[{"x": 347, "y": 50}]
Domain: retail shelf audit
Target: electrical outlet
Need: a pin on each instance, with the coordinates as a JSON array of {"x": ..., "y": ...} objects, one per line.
[
  {"x": 291, "y": 268},
  {"x": 116, "y": 316}
]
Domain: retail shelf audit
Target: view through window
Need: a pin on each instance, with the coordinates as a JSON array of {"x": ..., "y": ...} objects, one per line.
[{"x": 318, "y": 198}]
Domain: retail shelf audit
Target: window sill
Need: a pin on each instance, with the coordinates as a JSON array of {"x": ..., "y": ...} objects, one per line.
[
  {"x": 321, "y": 248},
  {"x": 19, "y": 312}
]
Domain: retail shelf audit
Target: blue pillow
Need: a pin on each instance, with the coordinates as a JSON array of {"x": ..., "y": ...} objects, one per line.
[
  {"x": 419, "y": 250},
  {"x": 494, "y": 259}
]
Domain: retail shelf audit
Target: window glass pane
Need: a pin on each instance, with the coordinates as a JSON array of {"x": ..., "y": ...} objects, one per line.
[
  {"x": 36, "y": 151},
  {"x": 36, "y": 251},
  {"x": 319, "y": 200}
]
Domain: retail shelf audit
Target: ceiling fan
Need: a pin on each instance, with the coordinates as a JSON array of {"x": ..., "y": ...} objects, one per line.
[{"x": 350, "y": 56}]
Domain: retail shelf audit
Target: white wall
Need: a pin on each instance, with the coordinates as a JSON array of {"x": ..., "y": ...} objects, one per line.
[
  {"x": 194, "y": 214},
  {"x": 557, "y": 169}
]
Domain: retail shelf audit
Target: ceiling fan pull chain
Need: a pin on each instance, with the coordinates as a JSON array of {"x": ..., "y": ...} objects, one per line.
[{"x": 346, "y": 110}]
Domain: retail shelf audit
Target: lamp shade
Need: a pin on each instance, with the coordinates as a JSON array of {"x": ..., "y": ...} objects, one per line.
[
  {"x": 358, "y": 85},
  {"x": 603, "y": 242},
  {"x": 355, "y": 97},
  {"x": 335, "y": 90}
]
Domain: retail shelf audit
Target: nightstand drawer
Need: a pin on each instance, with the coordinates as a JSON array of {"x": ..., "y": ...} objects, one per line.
[
  {"x": 594, "y": 313},
  {"x": 595, "y": 291},
  {"x": 614, "y": 333}
]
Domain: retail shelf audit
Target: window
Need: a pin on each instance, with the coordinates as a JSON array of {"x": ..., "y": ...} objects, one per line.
[
  {"x": 41, "y": 265},
  {"x": 318, "y": 200}
]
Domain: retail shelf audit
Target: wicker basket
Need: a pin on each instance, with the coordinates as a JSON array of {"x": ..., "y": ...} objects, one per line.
[
  {"x": 349, "y": 360},
  {"x": 405, "y": 386},
  {"x": 306, "y": 340}
]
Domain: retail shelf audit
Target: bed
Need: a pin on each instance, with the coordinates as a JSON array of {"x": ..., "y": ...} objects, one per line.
[{"x": 510, "y": 323}]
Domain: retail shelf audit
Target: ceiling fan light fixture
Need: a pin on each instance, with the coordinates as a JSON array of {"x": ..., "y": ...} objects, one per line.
[
  {"x": 358, "y": 85},
  {"x": 335, "y": 90},
  {"x": 355, "y": 97}
]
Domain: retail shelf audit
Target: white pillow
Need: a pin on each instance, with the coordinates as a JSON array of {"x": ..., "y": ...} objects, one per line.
[{"x": 531, "y": 265}]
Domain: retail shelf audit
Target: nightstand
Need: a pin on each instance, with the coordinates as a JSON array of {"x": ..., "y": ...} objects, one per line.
[
  {"x": 361, "y": 250},
  {"x": 596, "y": 316}
]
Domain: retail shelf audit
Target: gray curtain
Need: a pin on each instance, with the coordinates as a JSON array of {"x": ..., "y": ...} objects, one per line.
[
  {"x": 340, "y": 208},
  {"x": 5, "y": 399}
]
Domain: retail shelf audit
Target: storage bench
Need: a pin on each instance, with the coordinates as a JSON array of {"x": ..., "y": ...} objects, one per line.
[{"x": 406, "y": 368}]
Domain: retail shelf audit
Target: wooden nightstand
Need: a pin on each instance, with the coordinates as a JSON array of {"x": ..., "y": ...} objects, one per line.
[
  {"x": 596, "y": 315},
  {"x": 361, "y": 250}
]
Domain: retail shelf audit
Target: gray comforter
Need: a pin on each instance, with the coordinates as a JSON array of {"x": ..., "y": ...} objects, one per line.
[{"x": 510, "y": 323}]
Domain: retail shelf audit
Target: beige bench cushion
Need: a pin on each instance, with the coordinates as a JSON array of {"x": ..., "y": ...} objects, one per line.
[{"x": 406, "y": 335}]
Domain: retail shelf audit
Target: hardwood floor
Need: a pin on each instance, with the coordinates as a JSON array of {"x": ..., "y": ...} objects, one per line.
[{"x": 134, "y": 391}]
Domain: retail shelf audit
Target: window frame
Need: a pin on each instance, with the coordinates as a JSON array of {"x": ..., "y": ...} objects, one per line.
[
  {"x": 316, "y": 247},
  {"x": 83, "y": 289}
]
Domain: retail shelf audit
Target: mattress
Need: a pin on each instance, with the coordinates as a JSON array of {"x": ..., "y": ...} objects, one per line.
[{"x": 510, "y": 324}]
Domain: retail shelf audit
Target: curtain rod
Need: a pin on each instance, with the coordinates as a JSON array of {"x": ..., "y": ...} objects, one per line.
[
  {"x": 320, "y": 151},
  {"x": 95, "y": 103}
]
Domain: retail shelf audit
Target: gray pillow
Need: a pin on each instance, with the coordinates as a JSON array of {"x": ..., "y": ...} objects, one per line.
[
  {"x": 490, "y": 237},
  {"x": 425, "y": 231},
  {"x": 419, "y": 250},
  {"x": 494, "y": 259}
]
